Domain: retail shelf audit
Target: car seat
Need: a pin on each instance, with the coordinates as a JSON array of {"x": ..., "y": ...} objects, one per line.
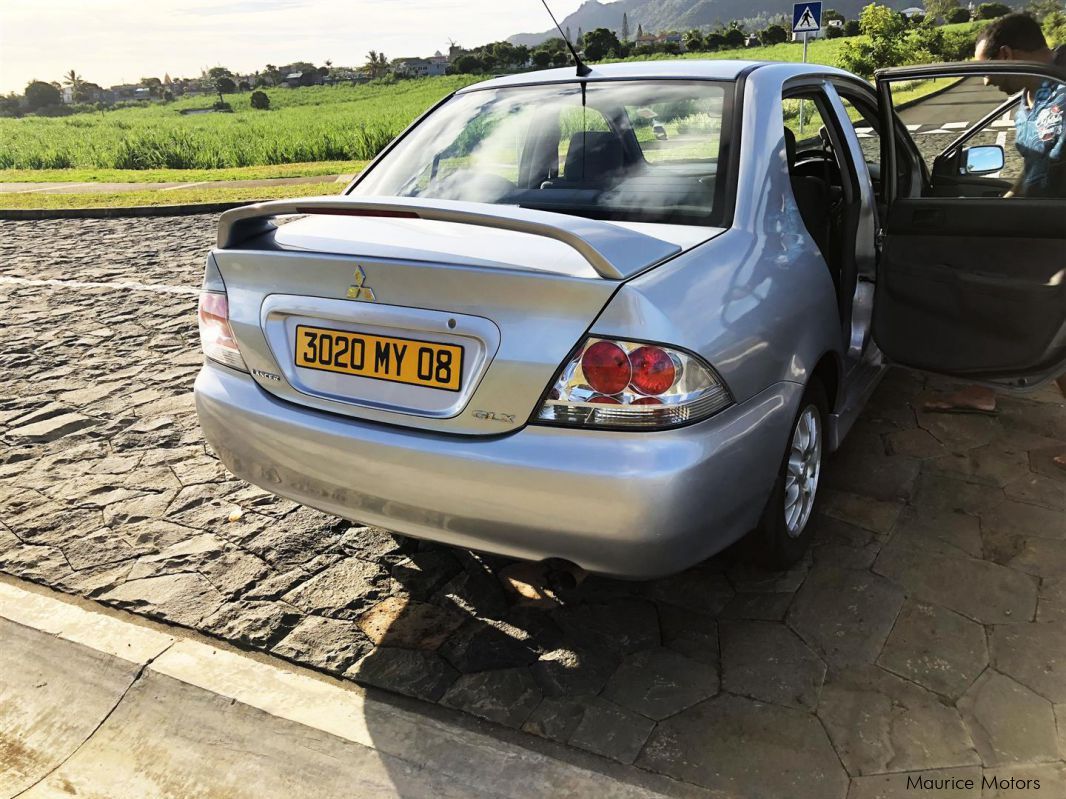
[
  {"x": 593, "y": 160},
  {"x": 812, "y": 197}
]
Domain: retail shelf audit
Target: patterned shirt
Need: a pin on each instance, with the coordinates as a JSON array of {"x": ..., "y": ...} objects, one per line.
[{"x": 1041, "y": 141}]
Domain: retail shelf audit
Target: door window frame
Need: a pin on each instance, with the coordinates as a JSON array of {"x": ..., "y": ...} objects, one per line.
[{"x": 967, "y": 69}]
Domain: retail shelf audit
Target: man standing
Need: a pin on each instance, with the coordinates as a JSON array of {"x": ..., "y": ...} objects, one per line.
[{"x": 1041, "y": 142}]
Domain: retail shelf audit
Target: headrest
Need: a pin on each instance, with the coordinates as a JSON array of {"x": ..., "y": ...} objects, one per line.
[
  {"x": 593, "y": 157},
  {"x": 790, "y": 147}
]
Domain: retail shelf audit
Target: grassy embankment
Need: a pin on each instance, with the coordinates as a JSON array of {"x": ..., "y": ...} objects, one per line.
[{"x": 307, "y": 132}]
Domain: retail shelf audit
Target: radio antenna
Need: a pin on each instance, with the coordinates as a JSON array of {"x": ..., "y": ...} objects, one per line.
[{"x": 582, "y": 67}]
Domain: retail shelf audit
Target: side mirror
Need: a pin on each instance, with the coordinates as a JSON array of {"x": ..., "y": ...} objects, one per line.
[{"x": 983, "y": 160}]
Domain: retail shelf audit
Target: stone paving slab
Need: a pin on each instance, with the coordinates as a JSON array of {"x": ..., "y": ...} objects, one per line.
[{"x": 923, "y": 633}]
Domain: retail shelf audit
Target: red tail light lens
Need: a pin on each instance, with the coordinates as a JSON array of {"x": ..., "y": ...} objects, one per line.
[
  {"x": 625, "y": 384},
  {"x": 606, "y": 366},
  {"x": 653, "y": 370},
  {"x": 216, "y": 335}
]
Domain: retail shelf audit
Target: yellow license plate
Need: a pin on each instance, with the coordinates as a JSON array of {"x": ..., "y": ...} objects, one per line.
[{"x": 399, "y": 360}]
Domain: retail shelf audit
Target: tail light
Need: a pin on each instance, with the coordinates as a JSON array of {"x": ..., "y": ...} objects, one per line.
[
  {"x": 216, "y": 336},
  {"x": 625, "y": 384}
]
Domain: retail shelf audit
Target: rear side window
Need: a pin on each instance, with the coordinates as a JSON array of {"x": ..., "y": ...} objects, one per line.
[{"x": 625, "y": 150}]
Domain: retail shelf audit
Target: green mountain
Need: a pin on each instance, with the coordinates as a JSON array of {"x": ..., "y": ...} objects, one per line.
[{"x": 656, "y": 16}]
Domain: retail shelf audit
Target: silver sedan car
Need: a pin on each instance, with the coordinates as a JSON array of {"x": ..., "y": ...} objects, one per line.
[{"x": 538, "y": 327}]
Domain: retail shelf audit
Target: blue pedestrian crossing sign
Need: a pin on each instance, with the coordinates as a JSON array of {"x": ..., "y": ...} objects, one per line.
[{"x": 806, "y": 17}]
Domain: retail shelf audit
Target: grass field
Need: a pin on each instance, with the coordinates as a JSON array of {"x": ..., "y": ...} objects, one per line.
[
  {"x": 307, "y": 126},
  {"x": 314, "y": 124}
]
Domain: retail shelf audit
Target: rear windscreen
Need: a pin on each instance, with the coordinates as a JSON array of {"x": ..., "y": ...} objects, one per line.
[{"x": 625, "y": 150}]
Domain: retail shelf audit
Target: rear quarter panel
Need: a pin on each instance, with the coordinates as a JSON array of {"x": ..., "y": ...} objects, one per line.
[{"x": 757, "y": 301}]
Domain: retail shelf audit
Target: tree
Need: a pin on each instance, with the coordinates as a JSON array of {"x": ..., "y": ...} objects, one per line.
[
  {"x": 599, "y": 43},
  {"x": 40, "y": 94},
  {"x": 735, "y": 37},
  {"x": 834, "y": 32},
  {"x": 885, "y": 44},
  {"x": 224, "y": 85},
  {"x": 9, "y": 105},
  {"x": 1042, "y": 9},
  {"x": 851, "y": 27},
  {"x": 469, "y": 65},
  {"x": 939, "y": 9},
  {"x": 272, "y": 74},
  {"x": 260, "y": 101},
  {"x": 153, "y": 85},
  {"x": 74, "y": 81},
  {"x": 1055, "y": 28},
  {"x": 714, "y": 41},
  {"x": 625, "y": 27},
  {"x": 693, "y": 40},
  {"x": 957, "y": 15},
  {"x": 775, "y": 34},
  {"x": 992, "y": 10},
  {"x": 219, "y": 72},
  {"x": 377, "y": 65},
  {"x": 168, "y": 96},
  {"x": 542, "y": 59},
  {"x": 830, "y": 14}
]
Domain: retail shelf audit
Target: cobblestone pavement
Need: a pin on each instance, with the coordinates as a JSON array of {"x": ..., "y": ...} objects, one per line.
[{"x": 926, "y": 632}]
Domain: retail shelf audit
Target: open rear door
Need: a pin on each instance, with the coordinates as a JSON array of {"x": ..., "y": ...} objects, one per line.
[{"x": 972, "y": 283}]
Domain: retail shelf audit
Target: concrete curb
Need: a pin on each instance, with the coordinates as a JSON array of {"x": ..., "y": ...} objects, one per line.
[
  {"x": 113, "y": 213},
  {"x": 404, "y": 747}
]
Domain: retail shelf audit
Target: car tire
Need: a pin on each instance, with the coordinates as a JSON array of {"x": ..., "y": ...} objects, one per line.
[{"x": 785, "y": 531}]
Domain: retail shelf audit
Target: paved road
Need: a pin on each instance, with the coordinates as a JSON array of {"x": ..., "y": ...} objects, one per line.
[
  {"x": 960, "y": 106},
  {"x": 926, "y": 631}
]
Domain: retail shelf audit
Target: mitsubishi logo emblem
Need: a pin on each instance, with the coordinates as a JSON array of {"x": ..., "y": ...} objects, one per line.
[{"x": 359, "y": 290}]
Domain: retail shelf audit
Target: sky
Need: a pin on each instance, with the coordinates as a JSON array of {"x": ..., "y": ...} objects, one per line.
[{"x": 116, "y": 41}]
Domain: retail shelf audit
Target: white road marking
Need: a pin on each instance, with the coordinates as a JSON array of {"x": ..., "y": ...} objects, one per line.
[
  {"x": 185, "y": 185},
  {"x": 1001, "y": 138},
  {"x": 158, "y": 288},
  {"x": 913, "y": 128},
  {"x": 46, "y": 187},
  {"x": 955, "y": 125}
]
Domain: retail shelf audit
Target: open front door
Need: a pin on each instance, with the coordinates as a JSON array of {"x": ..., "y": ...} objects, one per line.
[{"x": 970, "y": 282}]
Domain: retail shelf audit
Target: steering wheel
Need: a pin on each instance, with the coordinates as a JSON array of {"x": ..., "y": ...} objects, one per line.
[{"x": 817, "y": 164}]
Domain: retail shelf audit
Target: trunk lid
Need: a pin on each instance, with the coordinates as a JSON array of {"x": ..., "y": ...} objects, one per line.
[{"x": 503, "y": 306}]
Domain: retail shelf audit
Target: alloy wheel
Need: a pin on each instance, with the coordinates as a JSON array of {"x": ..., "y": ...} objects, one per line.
[{"x": 804, "y": 468}]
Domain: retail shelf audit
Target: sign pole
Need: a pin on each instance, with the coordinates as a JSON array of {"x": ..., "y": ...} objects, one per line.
[
  {"x": 806, "y": 19},
  {"x": 804, "y": 61}
]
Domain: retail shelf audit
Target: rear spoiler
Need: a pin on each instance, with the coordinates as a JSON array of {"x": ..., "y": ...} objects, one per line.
[{"x": 614, "y": 252}]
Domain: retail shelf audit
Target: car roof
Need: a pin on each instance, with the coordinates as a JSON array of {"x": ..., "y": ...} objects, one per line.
[{"x": 652, "y": 70}]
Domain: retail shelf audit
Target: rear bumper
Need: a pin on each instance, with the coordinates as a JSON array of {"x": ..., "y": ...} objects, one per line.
[{"x": 638, "y": 504}]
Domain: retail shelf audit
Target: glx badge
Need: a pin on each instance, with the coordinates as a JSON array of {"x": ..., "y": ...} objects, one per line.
[{"x": 359, "y": 290}]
